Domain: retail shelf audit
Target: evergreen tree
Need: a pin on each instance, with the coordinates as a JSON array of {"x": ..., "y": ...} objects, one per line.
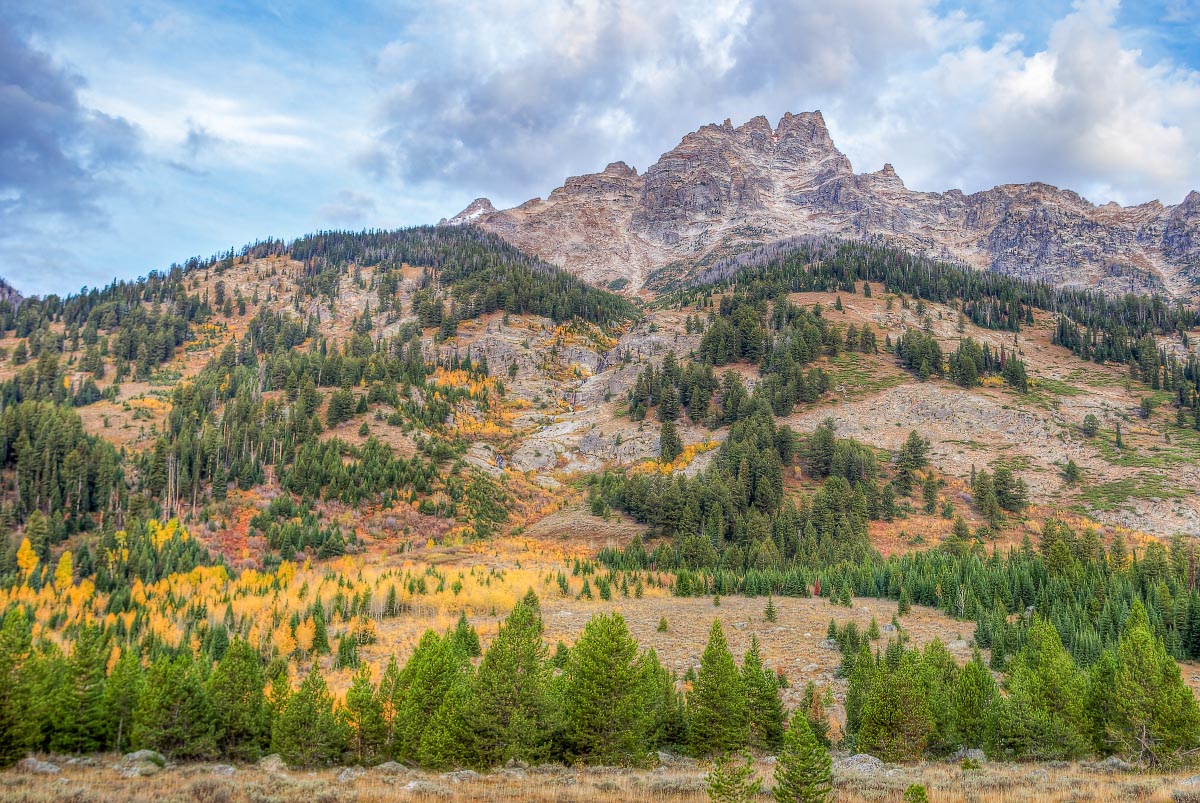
[
  {"x": 426, "y": 678},
  {"x": 121, "y": 694},
  {"x": 508, "y": 712},
  {"x": 1155, "y": 719},
  {"x": 366, "y": 730},
  {"x": 606, "y": 703},
  {"x": 763, "y": 703},
  {"x": 465, "y": 638},
  {"x": 1043, "y": 715},
  {"x": 975, "y": 695},
  {"x": 448, "y": 741},
  {"x": 670, "y": 446},
  {"x": 174, "y": 714},
  {"x": 803, "y": 770},
  {"x": 308, "y": 732},
  {"x": 717, "y": 702},
  {"x": 896, "y": 720},
  {"x": 80, "y": 722},
  {"x": 733, "y": 783},
  {"x": 237, "y": 691},
  {"x": 15, "y": 643}
]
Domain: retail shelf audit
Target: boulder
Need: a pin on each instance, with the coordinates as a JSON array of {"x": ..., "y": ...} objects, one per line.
[
  {"x": 225, "y": 770},
  {"x": 860, "y": 763},
  {"x": 427, "y": 788},
  {"x": 138, "y": 756},
  {"x": 459, "y": 776},
  {"x": 350, "y": 774},
  {"x": 272, "y": 763},
  {"x": 35, "y": 766},
  {"x": 391, "y": 768},
  {"x": 138, "y": 769},
  {"x": 970, "y": 754}
]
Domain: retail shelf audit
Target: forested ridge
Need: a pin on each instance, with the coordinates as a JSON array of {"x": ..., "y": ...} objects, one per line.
[{"x": 121, "y": 630}]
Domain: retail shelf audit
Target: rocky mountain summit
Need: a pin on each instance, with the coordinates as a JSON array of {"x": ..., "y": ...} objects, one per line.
[{"x": 725, "y": 188}]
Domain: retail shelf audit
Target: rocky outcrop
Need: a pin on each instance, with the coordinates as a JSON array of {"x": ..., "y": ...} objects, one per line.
[{"x": 725, "y": 188}]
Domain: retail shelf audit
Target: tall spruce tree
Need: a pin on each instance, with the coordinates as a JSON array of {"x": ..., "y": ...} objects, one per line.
[
  {"x": 509, "y": 705},
  {"x": 763, "y": 703},
  {"x": 366, "y": 730},
  {"x": 426, "y": 678},
  {"x": 174, "y": 714},
  {"x": 237, "y": 690},
  {"x": 308, "y": 732},
  {"x": 717, "y": 702},
  {"x": 121, "y": 694},
  {"x": 606, "y": 703},
  {"x": 15, "y": 644}
]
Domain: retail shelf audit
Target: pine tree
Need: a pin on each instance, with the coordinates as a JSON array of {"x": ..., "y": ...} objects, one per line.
[
  {"x": 770, "y": 613},
  {"x": 803, "y": 770},
  {"x": 509, "y": 707},
  {"x": 1155, "y": 717},
  {"x": 896, "y": 721},
  {"x": 763, "y": 703},
  {"x": 733, "y": 783},
  {"x": 448, "y": 741},
  {"x": 364, "y": 719},
  {"x": 121, "y": 694},
  {"x": 80, "y": 714},
  {"x": 426, "y": 678},
  {"x": 606, "y": 704},
  {"x": 174, "y": 714},
  {"x": 320, "y": 642},
  {"x": 717, "y": 702},
  {"x": 975, "y": 694},
  {"x": 466, "y": 638},
  {"x": 15, "y": 643},
  {"x": 307, "y": 732},
  {"x": 670, "y": 446},
  {"x": 236, "y": 687},
  {"x": 1043, "y": 716}
]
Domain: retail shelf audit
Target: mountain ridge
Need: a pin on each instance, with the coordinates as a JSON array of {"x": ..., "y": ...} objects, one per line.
[{"x": 725, "y": 188}]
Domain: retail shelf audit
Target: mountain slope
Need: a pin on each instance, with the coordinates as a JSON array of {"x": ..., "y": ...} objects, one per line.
[{"x": 725, "y": 188}]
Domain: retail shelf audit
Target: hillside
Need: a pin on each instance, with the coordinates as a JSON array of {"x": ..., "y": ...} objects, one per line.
[
  {"x": 308, "y": 460},
  {"x": 725, "y": 189}
]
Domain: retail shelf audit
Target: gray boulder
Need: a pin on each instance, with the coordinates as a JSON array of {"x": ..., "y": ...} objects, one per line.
[
  {"x": 272, "y": 763},
  {"x": 35, "y": 766},
  {"x": 350, "y": 774},
  {"x": 139, "y": 756}
]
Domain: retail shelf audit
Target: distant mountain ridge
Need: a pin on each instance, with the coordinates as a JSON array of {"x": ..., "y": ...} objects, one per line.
[{"x": 724, "y": 189}]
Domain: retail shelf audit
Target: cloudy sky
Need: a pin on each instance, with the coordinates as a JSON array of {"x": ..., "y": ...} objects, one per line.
[{"x": 136, "y": 133}]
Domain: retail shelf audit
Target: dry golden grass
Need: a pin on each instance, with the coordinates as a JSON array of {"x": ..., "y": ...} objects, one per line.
[{"x": 682, "y": 781}]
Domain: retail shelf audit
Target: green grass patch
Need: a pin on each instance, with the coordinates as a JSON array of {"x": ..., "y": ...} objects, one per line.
[
  {"x": 1109, "y": 496},
  {"x": 854, "y": 374}
]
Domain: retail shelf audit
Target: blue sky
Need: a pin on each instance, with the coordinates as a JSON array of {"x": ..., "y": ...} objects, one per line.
[{"x": 136, "y": 133}]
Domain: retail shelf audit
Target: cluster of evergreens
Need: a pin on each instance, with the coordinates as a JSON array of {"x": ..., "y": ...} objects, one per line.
[
  {"x": 904, "y": 704},
  {"x": 609, "y": 702}
]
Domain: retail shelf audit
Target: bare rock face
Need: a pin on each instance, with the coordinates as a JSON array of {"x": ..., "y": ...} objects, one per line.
[{"x": 724, "y": 188}]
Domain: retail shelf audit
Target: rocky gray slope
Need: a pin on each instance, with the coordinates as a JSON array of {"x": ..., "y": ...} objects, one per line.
[{"x": 724, "y": 188}]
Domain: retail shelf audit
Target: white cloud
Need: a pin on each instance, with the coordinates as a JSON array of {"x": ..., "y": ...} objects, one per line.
[{"x": 508, "y": 99}]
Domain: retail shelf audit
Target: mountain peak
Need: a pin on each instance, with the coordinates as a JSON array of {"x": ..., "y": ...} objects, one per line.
[
  {"x": 474, "y": 211},
  {"x": 725, "y": 188}
]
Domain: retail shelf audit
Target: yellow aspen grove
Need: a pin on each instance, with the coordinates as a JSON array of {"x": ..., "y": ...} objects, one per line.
[
  {"x": 64, "y": 574},
  {"x": 27, "y": 559}
]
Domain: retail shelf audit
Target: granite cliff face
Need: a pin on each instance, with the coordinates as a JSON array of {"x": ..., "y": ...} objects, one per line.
[{"x": 726, "y": 188}]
